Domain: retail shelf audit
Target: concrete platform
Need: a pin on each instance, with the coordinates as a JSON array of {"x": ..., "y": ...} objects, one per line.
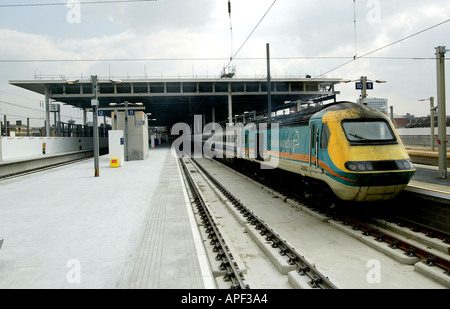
[
  {"x": 8, "y": 167},
  {"x": 132, "y": 227},
  {"x": 424, "y": 155},
  {"x": 426, "y": 181}
]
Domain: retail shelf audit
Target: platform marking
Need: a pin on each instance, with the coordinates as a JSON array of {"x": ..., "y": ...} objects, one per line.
[
  {"x": 208, "y": 279},
  {"x": 428, "y": 191}
]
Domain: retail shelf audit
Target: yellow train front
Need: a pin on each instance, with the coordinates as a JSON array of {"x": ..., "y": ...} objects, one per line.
[
  {"x": 365, "y": 157},
  {"x": 348, "y": 148}
]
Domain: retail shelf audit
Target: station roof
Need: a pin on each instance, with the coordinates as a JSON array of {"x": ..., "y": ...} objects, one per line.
[{"x": 179, "y": 99}]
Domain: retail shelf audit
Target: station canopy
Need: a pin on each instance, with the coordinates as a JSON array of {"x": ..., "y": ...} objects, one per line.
[{"x": 177, "y": 100}]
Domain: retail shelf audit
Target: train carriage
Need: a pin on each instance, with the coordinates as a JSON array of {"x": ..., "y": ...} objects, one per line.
[{"x": 347, "y": 148}]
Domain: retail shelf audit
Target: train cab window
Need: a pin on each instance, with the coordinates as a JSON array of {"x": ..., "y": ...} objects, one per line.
[
  {"x": 313, "y": 136},
  {"x": 368, "y": 131},
  {"x": 325, "y": 137}
]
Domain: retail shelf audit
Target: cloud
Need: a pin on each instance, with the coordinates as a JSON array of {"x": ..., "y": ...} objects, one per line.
[{"x": 168, "y": 31}]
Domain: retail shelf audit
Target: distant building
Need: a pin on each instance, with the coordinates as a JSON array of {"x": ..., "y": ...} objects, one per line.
[
  {"x": 19, "y": 129},
  {"x": 378, "y": 104},
  {"x": 401, "y": 121}
]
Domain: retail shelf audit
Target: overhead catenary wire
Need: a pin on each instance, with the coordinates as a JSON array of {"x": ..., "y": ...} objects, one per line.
[
  {"x": 242, "y": 45},
  {"x": 354, "y": 24},
  {"x": 18, "y": 105},
  {"x": 251, "y": 33},
  {"x": 351, "y": 59},
  {"x": 213, "y": 59},
  {"x": 386, "y": 46},
  {"x": 33, "y": 109}
]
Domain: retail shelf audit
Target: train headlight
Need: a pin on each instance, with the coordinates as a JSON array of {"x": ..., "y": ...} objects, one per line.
[
  {"x": 387, "y": 165},
  {"x": 351, "y": 166},
  {"x": 361, "y": 166},
  {"x": 405, "y": 164},
  {"x": 357, "y": 166}
]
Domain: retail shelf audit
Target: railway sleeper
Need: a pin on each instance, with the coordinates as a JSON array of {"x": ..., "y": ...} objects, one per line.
[
  {"x": 269, "y": 236},
  {"x": 284, "y": 250},
  {"x": 315, "y": 282},
  {"x": 303, "y": 270},
  {"x": 395, "y": 244},
  {"x": 430, "y": 261}
]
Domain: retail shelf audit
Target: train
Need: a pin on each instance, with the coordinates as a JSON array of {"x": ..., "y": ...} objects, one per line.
[{"x": 342, "y": 151}]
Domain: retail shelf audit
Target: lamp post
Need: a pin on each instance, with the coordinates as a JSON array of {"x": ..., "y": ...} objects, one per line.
[{"x": 432, "y": 109}]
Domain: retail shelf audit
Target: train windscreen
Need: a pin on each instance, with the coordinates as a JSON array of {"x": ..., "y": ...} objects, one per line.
[{"x": 362, "y": 131}]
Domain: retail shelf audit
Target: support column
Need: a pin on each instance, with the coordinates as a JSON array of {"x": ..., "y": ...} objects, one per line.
[
  {"x": 442, "y": 118},
  {"x": 269, "y": 87},
  {"x": 364, "y": 90},
  {"x": 230, "y": 106},
  {"x": 94, "y": 104},
  {"x": 432, "y": 122},
  {"x": 56, "y": 123},
  {"x": 126, "y": 130},
  {"x": 59, "y": 121},
  {"x": 47, "y": 110},
  {"x": 84, "y": 117},
  {"x": 5, "y": 125}
]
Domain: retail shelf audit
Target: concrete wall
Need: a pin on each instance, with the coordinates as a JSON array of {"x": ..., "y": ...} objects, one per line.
[
  {"x": 12, "y": 148},
  {"x": 138, "y": 139},
  {"x": 419, "y": 136}
]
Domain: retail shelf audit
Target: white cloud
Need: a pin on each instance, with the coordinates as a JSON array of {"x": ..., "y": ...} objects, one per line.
[{"x": 179, "y": 29}]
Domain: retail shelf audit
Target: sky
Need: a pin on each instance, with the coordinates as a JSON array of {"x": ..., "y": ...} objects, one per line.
[{"x": 387, "y": 40}]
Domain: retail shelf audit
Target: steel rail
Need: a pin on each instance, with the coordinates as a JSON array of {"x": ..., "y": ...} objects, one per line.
[
  {"x": 317, "y": 279},
  {"x": 42, "y": 168},
  {"x": 228, "y": 264},
  {"x": 410, "y": 249},
  {"x": 395, "y": 242},
  {"x": 422, "y": 228}
]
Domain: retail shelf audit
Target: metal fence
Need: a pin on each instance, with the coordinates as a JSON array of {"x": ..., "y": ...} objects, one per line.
[{"x": 59, "y": 128}]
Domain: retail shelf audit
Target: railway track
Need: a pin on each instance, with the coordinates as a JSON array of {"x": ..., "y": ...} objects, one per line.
[
  {"x": 233, "y": 273},
  {"x": 42, "y": 168},
  {"x": 407, "y": 242},
  {"x": 433, "y": 254},
  {"x": 285, "y": 258}
]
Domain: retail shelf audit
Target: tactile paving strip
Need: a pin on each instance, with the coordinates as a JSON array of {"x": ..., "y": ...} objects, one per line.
[{"x": 167, "y": 257}]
